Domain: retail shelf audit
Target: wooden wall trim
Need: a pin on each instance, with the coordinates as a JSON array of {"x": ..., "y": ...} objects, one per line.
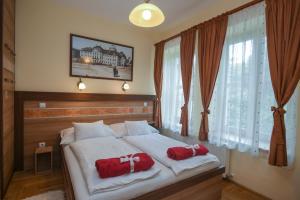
[
  {"x": 19, "y": 131},
  {"x": 1, "y": 100},
  {"x": 63, "y": 96},
  {"x": 7, "y": 77},
  {"x": 22, "y": 96}
]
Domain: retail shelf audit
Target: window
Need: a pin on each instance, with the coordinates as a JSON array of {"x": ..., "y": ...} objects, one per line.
[
  {"x": 195, "y": 104},
  {"x": 172, "y": 92},
  {"x": 241, "y": 114}
]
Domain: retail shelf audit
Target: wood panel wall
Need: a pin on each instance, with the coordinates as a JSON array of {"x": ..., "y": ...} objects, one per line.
[
  {"x": 62, "y": 109},
  {"x": 7, "y": 90}
]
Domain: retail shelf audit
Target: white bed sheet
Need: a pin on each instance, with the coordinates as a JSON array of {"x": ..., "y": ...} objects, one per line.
[
  {"x": 164, "y": 178},
  {"x": 89, "y": 150}
]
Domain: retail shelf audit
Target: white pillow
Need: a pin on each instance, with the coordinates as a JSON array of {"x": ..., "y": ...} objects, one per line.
[
  {"x": 137, "y": 128},
  {"x": 91, "y": 130},
  {"x": 67, "y": 136},
  {"x": 119, "y": 129}
]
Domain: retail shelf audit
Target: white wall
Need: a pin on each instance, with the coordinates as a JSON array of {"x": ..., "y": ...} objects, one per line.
[
  {"x": 209, "y": 10},
  {"x": 251, "y": 172},
  {"x": 273, "y": 182},
  {"x": 42, "y": 48}
]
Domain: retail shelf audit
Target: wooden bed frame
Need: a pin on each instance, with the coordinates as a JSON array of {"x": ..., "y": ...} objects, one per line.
[{"x": 204, "y": 186}]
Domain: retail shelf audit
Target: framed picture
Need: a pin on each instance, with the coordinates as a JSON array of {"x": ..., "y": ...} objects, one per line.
[{"x": 93, "y": 58}]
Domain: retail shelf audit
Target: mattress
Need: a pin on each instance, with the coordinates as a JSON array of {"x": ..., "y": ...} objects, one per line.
[{"x": 164, "y": 178}]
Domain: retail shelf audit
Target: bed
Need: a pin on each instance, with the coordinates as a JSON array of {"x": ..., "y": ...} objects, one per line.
[
  {"x": 202, "y": 182},
  {"x": 35, "y": 124}
]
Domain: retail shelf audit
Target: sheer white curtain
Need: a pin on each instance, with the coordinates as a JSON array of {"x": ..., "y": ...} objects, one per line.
[
  {"x": 172, "y": 93},
  {"x": 241, "y": 114},
  {"x": 195, "y": 104}
]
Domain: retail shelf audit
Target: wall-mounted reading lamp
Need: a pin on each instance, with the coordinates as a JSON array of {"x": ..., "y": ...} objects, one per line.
[
  {"x": 125, "y": 86},
  {"x": 81, "y": 85}
]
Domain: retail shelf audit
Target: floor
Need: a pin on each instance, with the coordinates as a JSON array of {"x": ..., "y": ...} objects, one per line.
[{"x": 26, "y": 184}]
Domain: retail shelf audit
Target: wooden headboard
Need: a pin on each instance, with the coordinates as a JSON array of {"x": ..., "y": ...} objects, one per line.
[{"x": 34, "y": 124}]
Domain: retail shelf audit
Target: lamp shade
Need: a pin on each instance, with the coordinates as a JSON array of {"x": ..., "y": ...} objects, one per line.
[
  {"x": 125, "y": 86},
  {"x": 81, "y": 85},
  {"x": 146, "y": 15}
]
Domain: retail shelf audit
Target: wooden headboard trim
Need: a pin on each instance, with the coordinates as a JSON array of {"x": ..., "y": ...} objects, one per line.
[{"x": 22, "y": 96}]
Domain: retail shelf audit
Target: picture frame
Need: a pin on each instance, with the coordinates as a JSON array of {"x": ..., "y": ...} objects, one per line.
[{"x": 100, "y": 59}]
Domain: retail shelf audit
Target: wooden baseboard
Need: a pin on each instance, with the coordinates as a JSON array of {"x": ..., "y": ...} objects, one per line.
[{"x": 246, "y": 188}]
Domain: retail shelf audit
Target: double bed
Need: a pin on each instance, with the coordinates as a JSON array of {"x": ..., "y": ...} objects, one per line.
[
  {"x": 171, "y": 180},
  {"x": 35, "y": 124}
]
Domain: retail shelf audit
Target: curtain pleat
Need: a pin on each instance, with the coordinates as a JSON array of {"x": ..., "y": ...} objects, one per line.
[
  {"x": 210, "y": 44},
  {"x": 158, "y": 77},
  {"x": 283, "y": 41},
  {"x": 187, "y": 49}
]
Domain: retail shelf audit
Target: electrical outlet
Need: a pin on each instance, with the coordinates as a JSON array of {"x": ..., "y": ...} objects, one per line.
[
  {"x": 42, "y": 144},
  {"x": 145, "y": 104},
  {"x": 42, "y": 105}
]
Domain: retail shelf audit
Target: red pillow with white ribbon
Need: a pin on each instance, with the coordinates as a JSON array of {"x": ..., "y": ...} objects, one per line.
[
  {"x": 181, "y": 153},
  {"x": 131, "y": 163}
]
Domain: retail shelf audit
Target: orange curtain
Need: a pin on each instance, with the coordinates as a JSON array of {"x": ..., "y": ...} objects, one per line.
[
  {"x": 187, "y": 48},
  {"x": 158, "y": 76},
  {"x": 211, "y": 39},
  {"x": 283, "y": 40}
]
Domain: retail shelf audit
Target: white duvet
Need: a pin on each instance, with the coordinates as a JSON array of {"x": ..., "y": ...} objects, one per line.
[
  {"x": 156, "y": 145},
  {"x": 89, "y": 150}
]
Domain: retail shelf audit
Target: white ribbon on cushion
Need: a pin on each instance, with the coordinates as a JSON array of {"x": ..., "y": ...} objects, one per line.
[
  {"x": 131, "y": 160},
  {"x": 193, "y": 147}
]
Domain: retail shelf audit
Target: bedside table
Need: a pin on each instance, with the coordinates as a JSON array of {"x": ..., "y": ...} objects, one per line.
[{"x": 43, "y": 159}]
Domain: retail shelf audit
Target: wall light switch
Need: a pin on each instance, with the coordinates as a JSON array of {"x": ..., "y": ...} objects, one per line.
[
  {"x": 145, "y": 104},
  {"x": 42, "y": 105}
]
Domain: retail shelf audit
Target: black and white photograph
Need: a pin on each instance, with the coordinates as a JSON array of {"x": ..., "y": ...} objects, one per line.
[{"x": 93, "y": 58}]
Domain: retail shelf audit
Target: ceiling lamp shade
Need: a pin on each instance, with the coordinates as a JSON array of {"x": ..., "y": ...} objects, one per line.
[{"x": 146, "y": 15}]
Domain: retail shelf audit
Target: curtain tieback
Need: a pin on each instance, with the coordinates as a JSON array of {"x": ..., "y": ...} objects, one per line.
[
  {"x": 204, "y": 123},
  {"x": 157, "y": 100},
  {"x": 157, "y": 103},
  {"x": 280, "y": 110},
  {"x": 184, "y": 107},
  {"x": 183, "y": 111},
  {"x": 278, "y": 126},
  {"x": 207, "y": 111}
]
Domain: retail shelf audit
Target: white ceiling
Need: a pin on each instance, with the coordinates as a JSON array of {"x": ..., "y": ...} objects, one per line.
[{"x": 118, "y": 10}]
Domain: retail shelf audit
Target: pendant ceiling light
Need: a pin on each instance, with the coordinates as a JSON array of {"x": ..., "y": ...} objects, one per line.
[{"x": 146, "y": 15}]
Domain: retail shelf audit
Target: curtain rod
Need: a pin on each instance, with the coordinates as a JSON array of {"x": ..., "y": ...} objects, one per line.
[{"x": 226, "y": 13}]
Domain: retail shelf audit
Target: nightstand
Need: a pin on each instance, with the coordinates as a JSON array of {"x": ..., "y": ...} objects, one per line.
[{"x": 43, "y": 159}]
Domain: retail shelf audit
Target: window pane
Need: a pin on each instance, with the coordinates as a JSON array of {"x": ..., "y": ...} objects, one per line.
[{"x": 172, "y": 94}]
